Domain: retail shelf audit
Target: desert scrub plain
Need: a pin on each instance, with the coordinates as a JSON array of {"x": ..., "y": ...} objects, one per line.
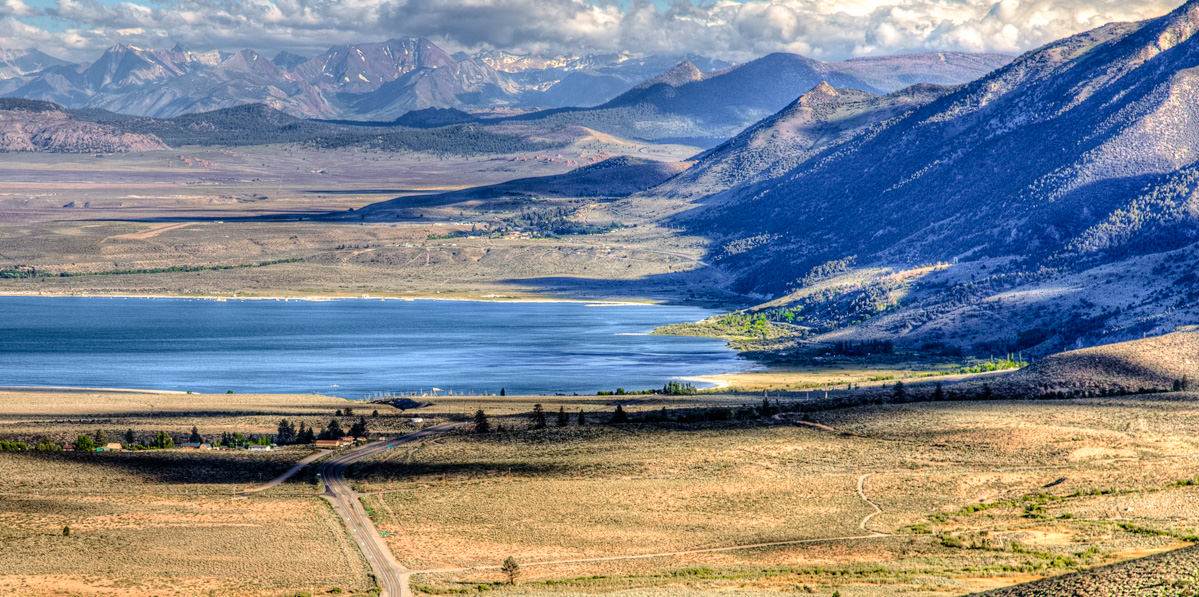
[
  {"x": 170, "y": 522},
  {"x": 240, "y": 222},
  {"x": 972, "y": 496}
]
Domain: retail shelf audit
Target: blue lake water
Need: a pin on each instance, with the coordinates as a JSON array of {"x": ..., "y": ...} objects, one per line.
[{"x": 350, "y": 348}]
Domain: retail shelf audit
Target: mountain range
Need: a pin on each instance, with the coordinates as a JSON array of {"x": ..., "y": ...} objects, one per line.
[
  {"x": 385, "y": 80},
  {"x": 688, "y": 105},
  {"x": 1054, "y": 197}
]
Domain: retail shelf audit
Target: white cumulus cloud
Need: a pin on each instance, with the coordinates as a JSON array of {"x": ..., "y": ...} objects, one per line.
[{"x": 737, "y": 30}]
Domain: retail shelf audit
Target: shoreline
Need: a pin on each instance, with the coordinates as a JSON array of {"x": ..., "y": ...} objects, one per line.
[{"x": 320, "y": 298}]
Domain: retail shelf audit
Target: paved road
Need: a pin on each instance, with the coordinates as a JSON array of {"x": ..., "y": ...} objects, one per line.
[{"x": 390, "y": 574}]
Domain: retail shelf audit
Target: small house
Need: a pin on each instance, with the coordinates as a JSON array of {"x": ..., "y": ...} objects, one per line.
[
  {"x": 189, "y": 446},
  {"x": 258, "y": 448},
  {"x": 113, "y": 447},
  {"x": 328, "y": 443}
]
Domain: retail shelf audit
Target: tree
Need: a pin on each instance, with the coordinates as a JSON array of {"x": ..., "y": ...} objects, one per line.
[
  {"x": 287, "y": 432},
  {"x": 101, "y": 437},
  {"x": 195, "y": 437},
  {"x": 563, "y": 419},
  {"x": 349, "y": 412},
  {"x": 538, "y": 417},
  {"x": 481, "y": 424},
  {"x": 511, "y": 569},
  {"x": 503, "y": 392},
  {"x": 163, "y": 441},
  {"x": 305, "y": 435},
  {"x": 333, "y": 431},
  {"x": 337, "y": 413},
  {"x": 130, "y": 439},
  {"x": 84, "y": 443},
  {"x": 938, "y": 393},
  {"x": 66, "y": 531},
  {"x": 582, "y": 418},
  {"x": 899, "y": 392},
  {"x": 375, "y": 413},
  {"x": 619, "y": 416},
  {"x": 359, "y": 429}
]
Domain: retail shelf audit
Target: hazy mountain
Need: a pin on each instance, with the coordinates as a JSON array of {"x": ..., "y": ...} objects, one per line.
[
  {"x": 1033, "y": 182},
  {"x": 287, "y": 60},
  {"x": 892, "y": 73},
  {"x": 18, "y": 63},
  {"x": 685, "y": 104},
  {"x": 30, "y": 125},
  {"x": 384, "y": 80},
  {"x": 817, "y": 120},
  {"x": 586, "y": 80},
  {"x": 362, "y": 68},
  {"x": 458, "y": 84}
]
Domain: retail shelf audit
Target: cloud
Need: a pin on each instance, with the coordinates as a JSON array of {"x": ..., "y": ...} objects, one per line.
[{"x": 737, "y": 30}]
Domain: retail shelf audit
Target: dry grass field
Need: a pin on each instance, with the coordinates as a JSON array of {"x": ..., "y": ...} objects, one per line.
[
  {"x": 61, "y": 415},
  {"x": 973, "y": 496},
  {"x": 169, "y": 522}
]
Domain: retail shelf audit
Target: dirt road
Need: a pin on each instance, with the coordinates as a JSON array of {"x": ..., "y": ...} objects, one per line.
[{"x": 390, "y": 574}]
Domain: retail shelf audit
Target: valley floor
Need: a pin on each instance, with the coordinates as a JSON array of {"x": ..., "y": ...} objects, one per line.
[
  {"x": 240, "y": 223},
  {"x": 920, "y": 498}
]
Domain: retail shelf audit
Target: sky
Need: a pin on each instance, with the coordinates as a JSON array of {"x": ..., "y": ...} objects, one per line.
[{"x": 729, "y": 29}]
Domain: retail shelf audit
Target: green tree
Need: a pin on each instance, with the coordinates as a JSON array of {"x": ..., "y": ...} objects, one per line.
[
  {"x": 938, "y": 393},
  {"x": 538, "y": 417},
  {"x": 66, "y": 531},
  {"x": 375, "y": 413},
  {"x": 349, "y": 412},
  {"x": 511, "y": 569},
  {"x": 286, "y": 433},
  {"x": 333, "y": 431},
  {"x": 503, "y": 392},
  {"x": 195, "y": 437},
  {"x": 582, "y": 418},
  {"x": 481, "y": 423},
  {"x": 305, "y": 435},
  {"x": 130, "y": 438},
  {"x": 164, "y": 441},
  {"x": 359, "y": 429},
  {"x": 899, "y": 392},
  {"x": 101, "y": 437},
  {"x": 563, "y": 419},
  {"x": 84, "y": 443}
]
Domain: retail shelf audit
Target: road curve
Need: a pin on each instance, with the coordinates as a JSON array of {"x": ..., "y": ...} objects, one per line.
[
  {"x": 390, "y": 574},
  {"x": 285, "y": 476}
]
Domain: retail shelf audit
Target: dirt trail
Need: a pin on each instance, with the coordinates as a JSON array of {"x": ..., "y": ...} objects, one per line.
[
  {"x": 285, "y": 476},
  {"x": 877, "y": 510},
  {"x": 152, "y": 231}
]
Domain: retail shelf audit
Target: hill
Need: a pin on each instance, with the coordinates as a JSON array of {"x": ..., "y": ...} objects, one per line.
[
  {"x": 685, "y": 104},
  {"x": 819, "y": 119},
  {"x": 27, "y": 125},
  {"x": 614, "y": 177},
  {"x": 1169, "y": 573},
  {"x": 1125, "y": 367},
  {"x": 1047, "y": 203},
  {"x": 257, "y": 124}
]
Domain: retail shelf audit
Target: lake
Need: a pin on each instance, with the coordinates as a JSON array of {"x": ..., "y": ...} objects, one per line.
[{"x": 354, "y": 348}]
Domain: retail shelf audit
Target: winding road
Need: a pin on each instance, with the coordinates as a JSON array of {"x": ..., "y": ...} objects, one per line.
[{"x": 390, "y": 574}]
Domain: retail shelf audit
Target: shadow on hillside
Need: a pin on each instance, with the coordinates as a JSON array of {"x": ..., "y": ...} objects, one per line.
[{"x": 692, "y": 287}]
